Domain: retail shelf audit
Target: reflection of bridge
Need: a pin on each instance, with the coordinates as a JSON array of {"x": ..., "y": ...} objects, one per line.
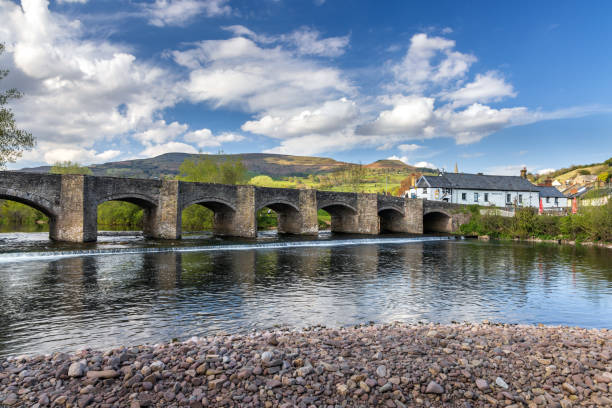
[{"x": 71, "y": 203}]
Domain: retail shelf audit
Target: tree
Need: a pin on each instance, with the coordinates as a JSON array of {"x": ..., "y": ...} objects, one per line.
[
  {"x": 609, "y": 162},
  {"x": 13, "y": 141},
  {"x": 68, "y": 167},
  {"x": 604, "y": 176}
]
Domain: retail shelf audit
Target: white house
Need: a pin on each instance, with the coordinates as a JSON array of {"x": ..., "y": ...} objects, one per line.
[
  {"x": 481, "y": 189},
  {"x": 552, "y": 198}
]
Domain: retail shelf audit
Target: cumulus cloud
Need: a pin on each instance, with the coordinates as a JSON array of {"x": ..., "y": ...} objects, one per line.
[
  {"x": 160, "y": 132},
  {"x": 303, "y": 41},
  {"x": 170, "y": 147},
  {"x": 329, "y": 117},
  {"x": 180, "y": 12},
  {"x": 78, "y": 155},
  {"x": 80, "y": 91},
  {"x": 410, "y": 116},
  {"x": 409, "y": 147},
  {"x": 406, "y": 160},
  {"x": 485, "y": 88},
  {"x": 206, "y": 138},
  {"x": 241, "y": 73},
  {"x": 430, "y": 60}
]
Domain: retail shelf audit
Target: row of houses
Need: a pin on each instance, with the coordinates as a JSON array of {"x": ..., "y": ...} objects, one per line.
[{"x": 487, "y": 190}]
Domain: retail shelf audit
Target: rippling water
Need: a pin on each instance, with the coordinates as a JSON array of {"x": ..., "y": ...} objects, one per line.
[{"x": 101, "y": 300}]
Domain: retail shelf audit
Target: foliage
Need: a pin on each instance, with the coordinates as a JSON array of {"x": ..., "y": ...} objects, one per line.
[
  {"x": 13, "y": 141},
  {"x": 267, "y": 181},
  {"x": 68, "y": 167},
  {"x": 13, "y": 213},
  {"x": 590, "y": 224},
  {"x": 609, "y": 162},
  {"x": 120, "y": 213},
  {"x": 584, "y": 172},
  {"x": 604, "y": 176},
  {"x": 197, "y": 218},
  {"x": 207, "y": 170}
]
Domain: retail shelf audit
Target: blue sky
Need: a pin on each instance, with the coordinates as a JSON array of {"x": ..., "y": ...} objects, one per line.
[{"x": 493, "y": 86}]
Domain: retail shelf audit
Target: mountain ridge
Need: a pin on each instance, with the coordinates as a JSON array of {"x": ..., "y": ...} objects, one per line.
[{"x": 274, "y": 165}]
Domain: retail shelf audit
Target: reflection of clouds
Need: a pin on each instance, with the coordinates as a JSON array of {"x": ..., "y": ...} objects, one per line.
[{"x": 148, "y": 298}]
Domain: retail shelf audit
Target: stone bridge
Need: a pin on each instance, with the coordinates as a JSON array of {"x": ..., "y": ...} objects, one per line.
[{"x": 71, "y": 203}]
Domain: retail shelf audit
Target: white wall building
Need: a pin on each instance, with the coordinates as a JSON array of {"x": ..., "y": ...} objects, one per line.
[
  {"x": 485, "y": 190},
  {"x": 552, "y": 198}
]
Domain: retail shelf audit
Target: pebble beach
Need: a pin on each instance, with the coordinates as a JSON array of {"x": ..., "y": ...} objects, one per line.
[{"x": 389, "y": 365}]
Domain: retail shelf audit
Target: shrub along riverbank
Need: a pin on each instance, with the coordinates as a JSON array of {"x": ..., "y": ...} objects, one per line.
[{"x": 589, "y": 224}]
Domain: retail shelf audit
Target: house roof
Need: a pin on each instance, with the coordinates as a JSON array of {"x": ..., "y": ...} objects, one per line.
[
  {"x": 547, "y": 191},
  {"x": 477, "y": 182}
]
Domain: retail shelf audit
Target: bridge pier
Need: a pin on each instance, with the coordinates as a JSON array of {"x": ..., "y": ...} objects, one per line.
[
  {"x": 76, "y": 216},
  {"x": 240, "y": 222},
  {"x": 363, "y": 221},
  {"x": 411, "y": 221},
  {"x": 164, "y": 221},
  {"x": 304, "y": 221}
]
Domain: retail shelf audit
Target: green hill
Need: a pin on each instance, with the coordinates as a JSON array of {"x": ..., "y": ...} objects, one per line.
[{"x": 273, "y": 165}]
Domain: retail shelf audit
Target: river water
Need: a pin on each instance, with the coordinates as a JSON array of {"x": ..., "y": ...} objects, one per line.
[{"x": 125, "y": 290}]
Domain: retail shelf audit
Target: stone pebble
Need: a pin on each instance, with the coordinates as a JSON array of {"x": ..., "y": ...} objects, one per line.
[{"x": 390, "y": 365}]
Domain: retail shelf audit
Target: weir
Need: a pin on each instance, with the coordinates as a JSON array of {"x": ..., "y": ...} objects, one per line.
[{"x": 71, "y": 202}]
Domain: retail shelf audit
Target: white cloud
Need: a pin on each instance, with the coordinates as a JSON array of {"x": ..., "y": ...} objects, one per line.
[
  {"x": 180, "y": 12},
  {"x": 409, "y": 147},
  {"x": 78, "y": 155},
  {"x": 477, "y": 121},
  {"x": 307, "y": 42},
  {"x": 425, "y": 164},
  {"x": 406, "y": 160},
  {"x": 410, "y": 116},
  {"x": 80, "y": 91},
  {"x": 205, "y": 138},
  {"x": 161, "y": 132},
  {"x": 238, "y": 72},
  {"x": 304, "y": 41},
  {"x": 485, "y": 88},
  {"x": 170, "y": 147},
  {"x": 329, "y": 117},
  {"x": 545, "y": 171},
  {"x": 431, "y": 60},
  {"x": 506, "y": 170}
]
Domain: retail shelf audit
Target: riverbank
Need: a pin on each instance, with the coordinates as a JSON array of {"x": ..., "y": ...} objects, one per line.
[
  {"x": 607, "y": 245},
  {"x": 393, "y": 365}
]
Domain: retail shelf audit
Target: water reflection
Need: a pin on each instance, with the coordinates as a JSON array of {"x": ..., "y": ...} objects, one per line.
[{"x": 104, "y": 301}]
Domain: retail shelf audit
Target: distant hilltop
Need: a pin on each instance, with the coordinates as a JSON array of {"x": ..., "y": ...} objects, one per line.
[{"x": 274, "y": 165}]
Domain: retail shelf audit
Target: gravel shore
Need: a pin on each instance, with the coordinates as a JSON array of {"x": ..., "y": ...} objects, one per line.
[{"x": 391, "y": 365}]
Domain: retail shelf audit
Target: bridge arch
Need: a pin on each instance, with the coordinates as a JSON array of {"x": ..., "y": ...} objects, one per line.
[
  {"x": 391, "y": 218},
  {"x": 32, "y": 200},
  {"x": 437, "y": 221},
  {"x": 344, "y": 217},
  {"x": 194, "y": 218},
  {"x": 147, "y": 204},
  {"x": 288, "y": 215}
]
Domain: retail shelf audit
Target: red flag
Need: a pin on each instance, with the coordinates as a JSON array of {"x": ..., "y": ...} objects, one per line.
[
  {"x": 541, "y": 206},
  {"x": 574, "y": 206}
]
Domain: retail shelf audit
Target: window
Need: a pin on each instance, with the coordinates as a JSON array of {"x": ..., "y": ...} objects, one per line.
[
  {"x": 463, "y": 196},
  {"x": 424, "y": 191},
  {"x": 547, "y": 200},
  {"x": 508, "y": 199},
  {"x": 520, "y": 199},
  {"x": 486, "y": 197},
  {"x": 475, "y": 197},
  {"x": 556, "y": 200}
]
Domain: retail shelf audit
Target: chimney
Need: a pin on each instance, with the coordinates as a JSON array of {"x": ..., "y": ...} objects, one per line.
[{"x": 524, "y": 173}]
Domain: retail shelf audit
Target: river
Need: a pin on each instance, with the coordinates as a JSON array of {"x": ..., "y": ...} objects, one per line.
[{"x": 125, "y": 290}]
